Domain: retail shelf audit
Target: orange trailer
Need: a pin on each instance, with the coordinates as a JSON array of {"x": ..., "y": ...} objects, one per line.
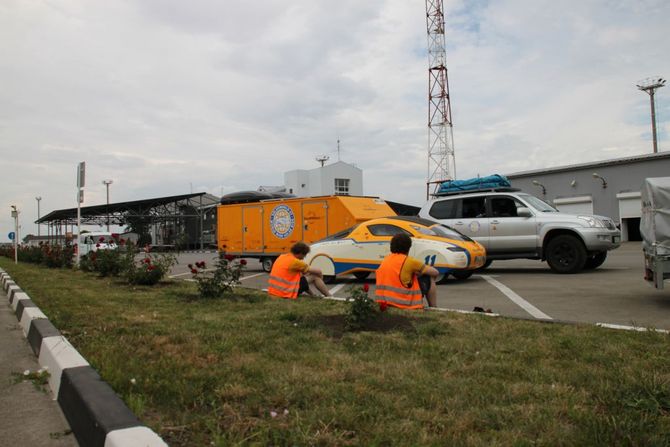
[{"x": 268, "y": 228}]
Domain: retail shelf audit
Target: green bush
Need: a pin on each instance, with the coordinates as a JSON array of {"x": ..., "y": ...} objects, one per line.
[
  {"x": 362, "y": 309},
  {"x": 148, "y": 271},
  {"x": 222, "y": 280}
]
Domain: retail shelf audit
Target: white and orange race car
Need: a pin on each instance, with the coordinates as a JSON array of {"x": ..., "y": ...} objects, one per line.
[{"x": 360, "y": 250}]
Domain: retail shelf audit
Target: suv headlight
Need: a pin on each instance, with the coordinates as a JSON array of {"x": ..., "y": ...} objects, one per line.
[{"x": 592, "y": 221}]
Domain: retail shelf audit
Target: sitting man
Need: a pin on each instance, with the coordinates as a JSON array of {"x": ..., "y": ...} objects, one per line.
[
  {"x": 290, "y": 276},
  {"x": 402, "y": 280}
]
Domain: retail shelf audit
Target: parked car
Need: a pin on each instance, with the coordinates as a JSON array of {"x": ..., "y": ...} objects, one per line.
[
  {"x": 94, "y": 241},
  {"x": 511, "y": 224},
  {"x": 360, "y": 249}
]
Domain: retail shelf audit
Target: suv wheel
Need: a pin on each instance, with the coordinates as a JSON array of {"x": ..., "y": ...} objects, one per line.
[
  {"x": 266, "y": 264},
  {"x": 595, "y": 260},
  {"x": 566, "y": 254}
]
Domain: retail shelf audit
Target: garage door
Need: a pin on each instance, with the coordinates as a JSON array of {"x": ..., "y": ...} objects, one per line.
[
  {"x": 575, "y": 205},
  {"x": 630, "y": 204}
]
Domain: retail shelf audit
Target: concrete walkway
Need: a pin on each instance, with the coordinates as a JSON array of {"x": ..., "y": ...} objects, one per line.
[{"x": 28, "y": 417}]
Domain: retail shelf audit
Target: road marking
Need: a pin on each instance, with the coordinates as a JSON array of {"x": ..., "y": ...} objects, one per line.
[
  {"x": 631, "y": 328},
  {"x": 252, "y": 276},
  {"x": 525, "y": 305},
  {"x": 337, "y": 287}
]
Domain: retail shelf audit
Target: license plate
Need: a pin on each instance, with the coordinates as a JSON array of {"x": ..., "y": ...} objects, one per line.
[{"x": 616, "y": 239}]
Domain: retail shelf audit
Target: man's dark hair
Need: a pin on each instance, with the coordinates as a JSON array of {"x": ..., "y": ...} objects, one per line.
[
  {"x": 300, "y": 248},
  {"x": 401, "y": 243}
]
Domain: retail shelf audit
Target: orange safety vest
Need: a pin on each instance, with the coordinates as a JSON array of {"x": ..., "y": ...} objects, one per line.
[
  {"x": 391, "y": 290},
  {"x": 283, "y": 282}
]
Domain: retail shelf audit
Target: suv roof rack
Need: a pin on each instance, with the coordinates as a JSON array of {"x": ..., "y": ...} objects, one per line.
[{"x": 473, "y": 191}]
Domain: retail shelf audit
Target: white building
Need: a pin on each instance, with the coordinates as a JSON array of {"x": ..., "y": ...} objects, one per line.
[{"x": 339, "y": 178}]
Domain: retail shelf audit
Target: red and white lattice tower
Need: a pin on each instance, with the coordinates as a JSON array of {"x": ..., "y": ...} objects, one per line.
[{"x": 441, "y": 160}]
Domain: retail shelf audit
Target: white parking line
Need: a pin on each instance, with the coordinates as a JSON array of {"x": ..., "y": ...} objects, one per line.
[
  {"x": 252, "y": 276},
  {"x": 525, "y": 305},
  {"x": 337, "y": 287}
]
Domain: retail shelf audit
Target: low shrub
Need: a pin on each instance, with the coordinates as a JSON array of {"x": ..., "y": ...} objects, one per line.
[
  {"x": 149, "y": 270},
  {"x": 225, "y": 276},
  {"x": 362, "y": 309}
]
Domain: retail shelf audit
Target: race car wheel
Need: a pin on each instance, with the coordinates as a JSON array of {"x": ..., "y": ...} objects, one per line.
[
  {"x": 566, "y": 254},
  {"x": 441, "y": 278},
  {"x": 361, "y": 275},
  {"x": 462, "y": 275},
  {"x": 328, "y": 279},
  {"x": 595, "y": 260}
]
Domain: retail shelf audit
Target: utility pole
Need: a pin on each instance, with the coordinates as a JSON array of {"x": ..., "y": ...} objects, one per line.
[
  {"x": 15, "y": 215},
  {"x": 107, "y": 183},
  {"x": 38, "y": 198},
  {"x": 441, "y": 159},
  {"x": 649, "y": 86}
]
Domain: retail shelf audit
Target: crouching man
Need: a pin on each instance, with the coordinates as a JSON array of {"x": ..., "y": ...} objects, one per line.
[
  {"x": 402, "y": 281},
  {"x": 290, "y": 276}
]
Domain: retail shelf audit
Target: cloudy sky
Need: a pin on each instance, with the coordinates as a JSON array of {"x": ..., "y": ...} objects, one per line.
[{"x": 168, "y": 96}]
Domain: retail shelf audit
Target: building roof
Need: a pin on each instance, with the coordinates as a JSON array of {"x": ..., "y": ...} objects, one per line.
[
  {"x": 137, "y": 206},
  {"x": 595, "y": 164}
]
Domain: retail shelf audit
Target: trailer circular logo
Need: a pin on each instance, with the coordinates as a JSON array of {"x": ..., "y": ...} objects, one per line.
[{"x": 282, "y": 221}]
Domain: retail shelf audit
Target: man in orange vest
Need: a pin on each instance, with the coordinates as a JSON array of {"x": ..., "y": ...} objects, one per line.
[
  {"x": 402, "y": 280},
  {"x": 290, "y": 276}
]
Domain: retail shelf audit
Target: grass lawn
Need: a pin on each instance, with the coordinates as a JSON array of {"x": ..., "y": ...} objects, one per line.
[{"x": 254, "y": 371}]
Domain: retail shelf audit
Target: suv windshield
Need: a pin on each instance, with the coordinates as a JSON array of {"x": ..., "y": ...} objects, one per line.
[{"x": 538, "y": 204}]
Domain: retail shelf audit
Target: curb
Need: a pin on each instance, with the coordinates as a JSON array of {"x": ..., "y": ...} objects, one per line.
[{"x": 97, "y": 416}]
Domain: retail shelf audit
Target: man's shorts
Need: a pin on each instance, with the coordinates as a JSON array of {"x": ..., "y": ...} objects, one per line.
[{"x": 424, "y": 284}]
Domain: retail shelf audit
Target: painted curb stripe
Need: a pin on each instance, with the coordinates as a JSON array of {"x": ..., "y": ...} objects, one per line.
[
  {"x": 57, "y": 354},
  {"x": 134, "y": 437},
  {"x": 91, "y": 406},
  {"x": 97, "y": 416},
  {"x": 18, "y": 297},
  {"x": 30, "y": 314},
  {"x": 21, "y": 305},
  {"x": 39, "y": 330}
]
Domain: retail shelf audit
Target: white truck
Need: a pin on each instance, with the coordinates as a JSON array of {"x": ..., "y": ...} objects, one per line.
[
  {"x": 655, "y": 230},
  {"x": 94, "y": 241}
]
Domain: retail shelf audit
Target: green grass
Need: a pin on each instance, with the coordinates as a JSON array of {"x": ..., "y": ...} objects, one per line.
[{"x": 212, "y": 372}]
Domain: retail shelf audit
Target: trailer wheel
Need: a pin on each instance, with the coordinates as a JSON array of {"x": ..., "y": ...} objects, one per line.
[{"x": 266, "y": 264}]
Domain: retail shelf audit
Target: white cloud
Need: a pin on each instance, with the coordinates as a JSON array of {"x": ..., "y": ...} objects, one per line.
[{"x": 161, "y": 95}]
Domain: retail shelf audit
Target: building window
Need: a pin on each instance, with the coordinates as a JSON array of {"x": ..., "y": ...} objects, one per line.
[{"x": 342, "y": 186}]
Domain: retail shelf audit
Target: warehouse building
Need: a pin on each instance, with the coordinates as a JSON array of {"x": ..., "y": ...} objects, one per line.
[{"x": 609, "y": 188}]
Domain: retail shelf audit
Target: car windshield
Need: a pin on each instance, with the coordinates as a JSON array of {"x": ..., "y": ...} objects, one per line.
[
  {"x": 538, "y": 204},
  {"x": 339, "y": 235},
  {"x": 441, "y": 230},
  {"x": 451, "y": 233}
]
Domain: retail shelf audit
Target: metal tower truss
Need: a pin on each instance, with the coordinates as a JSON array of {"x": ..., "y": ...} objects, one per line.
[{"x": 441, "y": 160}]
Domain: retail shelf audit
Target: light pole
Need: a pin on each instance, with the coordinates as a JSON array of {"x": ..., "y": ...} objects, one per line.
[
  {"x": 544, "y": 190},
  {"x": 15, "y": 215},
  {"x": 649, "y": 86},
  {"x": 38, "y": 198},
  {"x": 107, "y": 183}
]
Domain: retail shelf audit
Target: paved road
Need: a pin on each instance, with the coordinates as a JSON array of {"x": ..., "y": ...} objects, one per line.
[
  {"x": 615, "y": 293},
  {"x": 28, "y": 417}
]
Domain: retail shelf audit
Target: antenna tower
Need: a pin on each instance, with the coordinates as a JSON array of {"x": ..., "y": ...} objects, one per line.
[
  {"x": 322, "y": 159},
  {"x": 441, "y": 160}
]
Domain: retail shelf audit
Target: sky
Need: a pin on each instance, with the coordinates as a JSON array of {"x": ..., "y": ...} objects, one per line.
[{"x": 166, "y": 97}]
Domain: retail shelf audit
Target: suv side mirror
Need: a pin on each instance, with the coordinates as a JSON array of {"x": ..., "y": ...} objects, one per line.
[{"x": 522, "y": 211}]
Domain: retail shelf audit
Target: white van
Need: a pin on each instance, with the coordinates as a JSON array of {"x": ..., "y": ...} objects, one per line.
[{"x": 94, "y": 241}]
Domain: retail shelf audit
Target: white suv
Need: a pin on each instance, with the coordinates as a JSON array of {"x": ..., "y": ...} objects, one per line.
[{"x": 512, "y": 225}]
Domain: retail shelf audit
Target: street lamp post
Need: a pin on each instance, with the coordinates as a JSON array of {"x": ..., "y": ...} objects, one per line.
[
  {"x": 38, "y": 198},
  {"x": 15, "y": 215},
  {"x": 649, "y": 86},
  {"x": 107, "y": 183}
]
